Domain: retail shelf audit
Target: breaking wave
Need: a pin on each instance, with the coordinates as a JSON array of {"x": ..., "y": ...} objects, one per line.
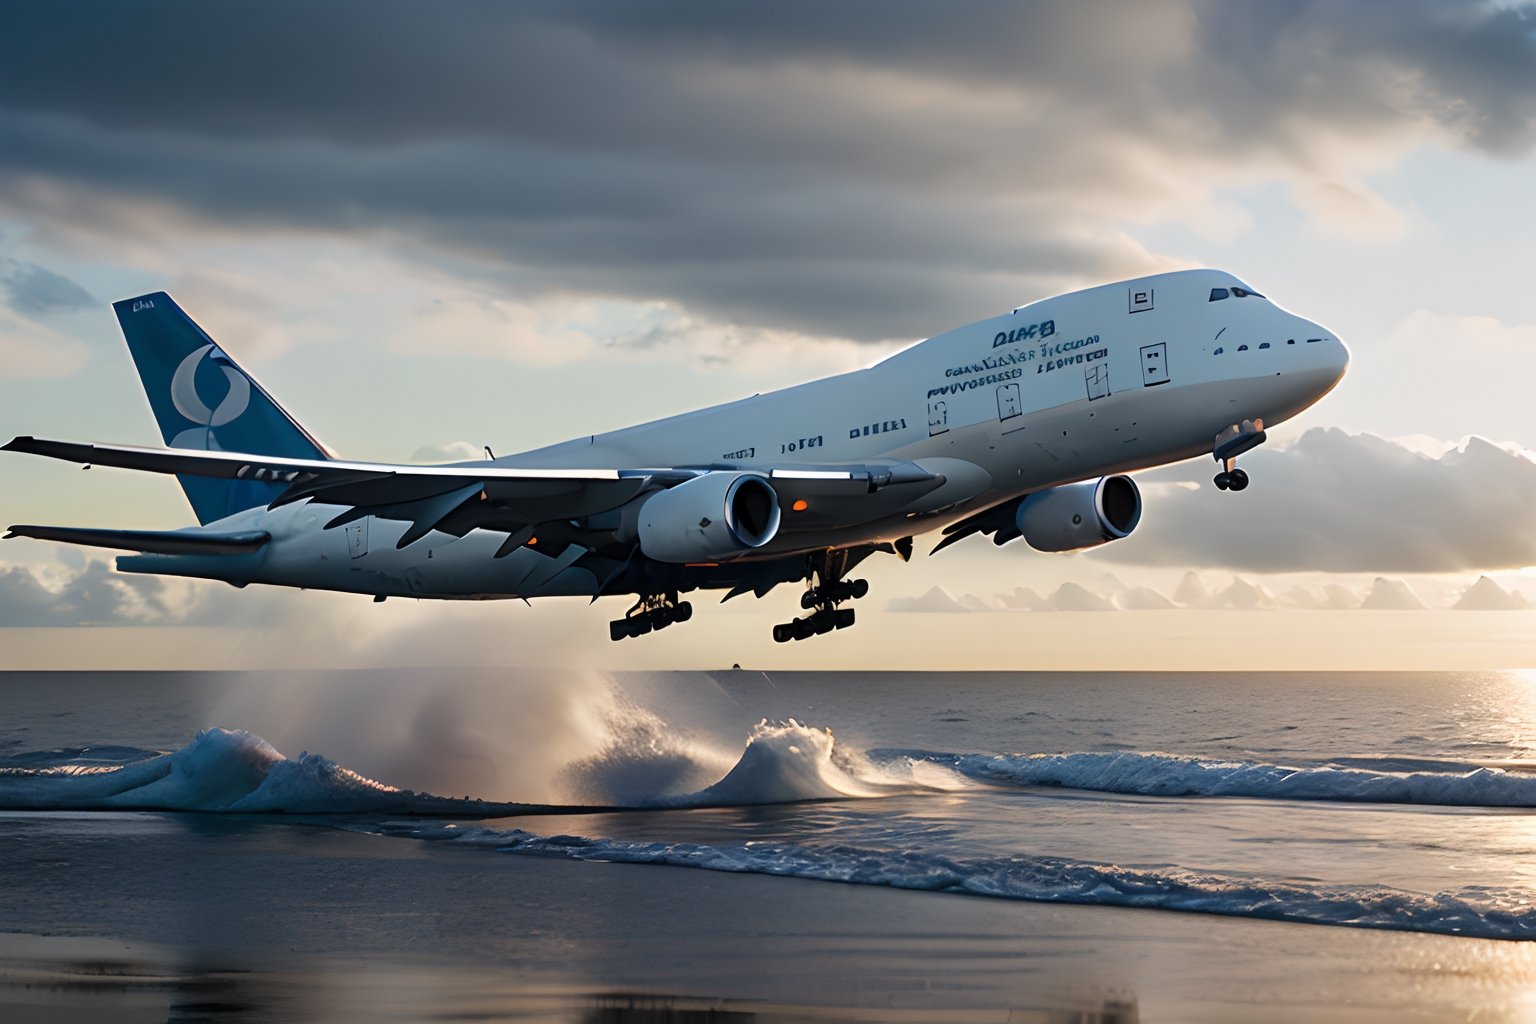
[
  {"x": 1169, "y": 775},
  {"x": 221, "y": 770},
  {"x": 1480, "y": 912},
  {"x": 233, "y": 771}
]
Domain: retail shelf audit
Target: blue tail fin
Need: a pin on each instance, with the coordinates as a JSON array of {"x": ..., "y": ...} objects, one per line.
[{"x": 202, "y": 399}]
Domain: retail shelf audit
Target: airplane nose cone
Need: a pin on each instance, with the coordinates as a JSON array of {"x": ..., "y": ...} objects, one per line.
[
  {"x": 1326, "y": 357},
  {"x": 1335, "y": 357}
]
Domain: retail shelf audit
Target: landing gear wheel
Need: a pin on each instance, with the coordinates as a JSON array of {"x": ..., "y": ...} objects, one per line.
[
  {"x": 1237, "y": 480},
  {"x": 1223, "y": 481},
  {"x": 825, "y": 590},
  {"x": 651, "y": 613}
]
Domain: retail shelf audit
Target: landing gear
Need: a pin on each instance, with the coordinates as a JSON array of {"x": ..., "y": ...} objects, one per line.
[
  {"x": 1231, "y": 479},
  {"x": 1229, "y": 444},
  {"x": 843, "y": 590},
  {"x": 651, "y": 612},
  {"x": 828, "y": 590}
]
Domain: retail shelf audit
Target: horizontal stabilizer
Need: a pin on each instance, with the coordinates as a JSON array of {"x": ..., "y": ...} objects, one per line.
[{"x": 152, "y": 542}]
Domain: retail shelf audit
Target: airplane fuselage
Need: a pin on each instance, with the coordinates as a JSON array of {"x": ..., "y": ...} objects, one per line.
[{"x": 1107, "y": 380}]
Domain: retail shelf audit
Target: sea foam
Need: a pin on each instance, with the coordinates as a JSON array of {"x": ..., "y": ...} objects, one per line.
[
  {"x": 1170, "y": 775},
  {"x": 1486, "y": 913}
]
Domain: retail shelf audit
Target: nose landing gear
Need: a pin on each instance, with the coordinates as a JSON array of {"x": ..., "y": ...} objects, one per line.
[
  {"x": 828, "y": 590},
  {"x": 651, "y": 612},
  {"x": 1229, "y": 444}
]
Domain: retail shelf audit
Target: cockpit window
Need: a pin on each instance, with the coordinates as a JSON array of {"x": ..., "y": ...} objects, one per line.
[{"x": 1235, "y": 291}]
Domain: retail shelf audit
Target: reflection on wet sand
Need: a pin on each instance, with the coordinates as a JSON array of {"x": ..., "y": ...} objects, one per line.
[{"x": 70, "y": 979}]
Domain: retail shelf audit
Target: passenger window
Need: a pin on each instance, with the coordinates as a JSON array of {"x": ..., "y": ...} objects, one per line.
[
  {"x": 1290, "y": 341},
  {"x": 1217, "y": 294},
  {"x": 1264, "y": 344},
  {"x": 1218, "y": 352},
  {"x": 1242, "y": 348}
]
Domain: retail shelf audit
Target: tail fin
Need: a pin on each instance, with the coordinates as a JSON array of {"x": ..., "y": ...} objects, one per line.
[{"x": 203, "y": 400}]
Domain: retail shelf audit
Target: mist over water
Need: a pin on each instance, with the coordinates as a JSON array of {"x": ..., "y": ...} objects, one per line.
[{"x": 492, "y": 734}]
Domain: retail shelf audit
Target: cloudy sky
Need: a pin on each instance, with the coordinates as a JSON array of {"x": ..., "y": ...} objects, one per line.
[{"x": 482, "y": 223}]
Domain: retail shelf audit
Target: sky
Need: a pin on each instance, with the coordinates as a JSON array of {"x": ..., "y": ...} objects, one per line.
[{"x": 507, "y": 225}]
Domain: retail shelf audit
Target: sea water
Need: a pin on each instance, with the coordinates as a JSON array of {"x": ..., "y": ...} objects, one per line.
[{"x": 1384, "y": 801}]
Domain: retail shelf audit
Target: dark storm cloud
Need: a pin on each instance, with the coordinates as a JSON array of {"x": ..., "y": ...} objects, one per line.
[
  {"x": 33, "y": 290},
  {"x": 863, "y": 169},
  {"x": 1339, "y": 502}
]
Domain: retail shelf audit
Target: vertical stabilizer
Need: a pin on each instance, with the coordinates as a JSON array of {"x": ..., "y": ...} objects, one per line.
[{"x": 202, "y": 399}]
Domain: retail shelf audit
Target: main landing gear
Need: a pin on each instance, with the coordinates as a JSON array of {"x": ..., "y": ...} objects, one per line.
[
  {"x": 828, "y": 590},
  {"x": 651, "y": 612},
  {"x": 1229, "y": 444}
]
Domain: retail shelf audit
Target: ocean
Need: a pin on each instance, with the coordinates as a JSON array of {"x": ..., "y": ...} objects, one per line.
[{"x": 496, "y": 844}]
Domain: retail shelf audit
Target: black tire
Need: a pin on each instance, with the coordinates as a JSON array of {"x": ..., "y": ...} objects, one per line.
[
  {"x": 844, "y": 618},
  {"x": 782, "y": 633},
  {"x": 823, "y": 622},
  {"x": 683, "y": 612},
  {"x": 809, "y": 598},
  {"x": 642, "y": 625},
  {"x": 618, "y": 630},
  {"x": 803, "y": 628},
  {"x": 1223, "y": 480},
  {"x": 858, "y": 588},
  {"x": 1237, "y": 480}
]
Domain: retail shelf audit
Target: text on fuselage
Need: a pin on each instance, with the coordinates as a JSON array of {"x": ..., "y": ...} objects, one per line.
[{"x": 883, "y": 427}]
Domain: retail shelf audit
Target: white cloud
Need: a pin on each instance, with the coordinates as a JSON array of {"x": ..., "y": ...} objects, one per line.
[
  {"x": 1338, "y": 502},
  {"x": 1487, "y": 596},
  {"x": 1391, "y": 595},
  {"x": 936, "y": 599}
]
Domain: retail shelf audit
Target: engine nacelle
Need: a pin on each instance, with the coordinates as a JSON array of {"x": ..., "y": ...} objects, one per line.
[
  {"x": 711, "y": 518},
  {"x": 1076, "y": 516}
]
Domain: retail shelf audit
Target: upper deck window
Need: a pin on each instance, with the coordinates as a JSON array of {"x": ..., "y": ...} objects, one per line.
[{"x": 1217, "y": 294}]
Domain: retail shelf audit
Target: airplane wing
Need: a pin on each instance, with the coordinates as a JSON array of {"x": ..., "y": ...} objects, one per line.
[
  {"x": 466, "y": 496},
  {"x": 154, "y": 542}
]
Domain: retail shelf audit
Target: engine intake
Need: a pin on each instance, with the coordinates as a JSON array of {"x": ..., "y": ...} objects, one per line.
[
  {"x": 1076, "y": 516},
  {"x": 711, "y": 518}
]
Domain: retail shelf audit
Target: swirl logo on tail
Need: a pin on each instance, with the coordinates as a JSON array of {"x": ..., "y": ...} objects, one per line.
[{"x": 190, "y": 404}]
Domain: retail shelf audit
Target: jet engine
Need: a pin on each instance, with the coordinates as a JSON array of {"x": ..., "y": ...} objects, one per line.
[
  {"x": 1076, "y": 516},
  {"x": 711, "y": 518}
]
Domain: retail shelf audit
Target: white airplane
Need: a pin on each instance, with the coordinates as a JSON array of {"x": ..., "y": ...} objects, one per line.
[{"x": 1017, "y": 426}]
